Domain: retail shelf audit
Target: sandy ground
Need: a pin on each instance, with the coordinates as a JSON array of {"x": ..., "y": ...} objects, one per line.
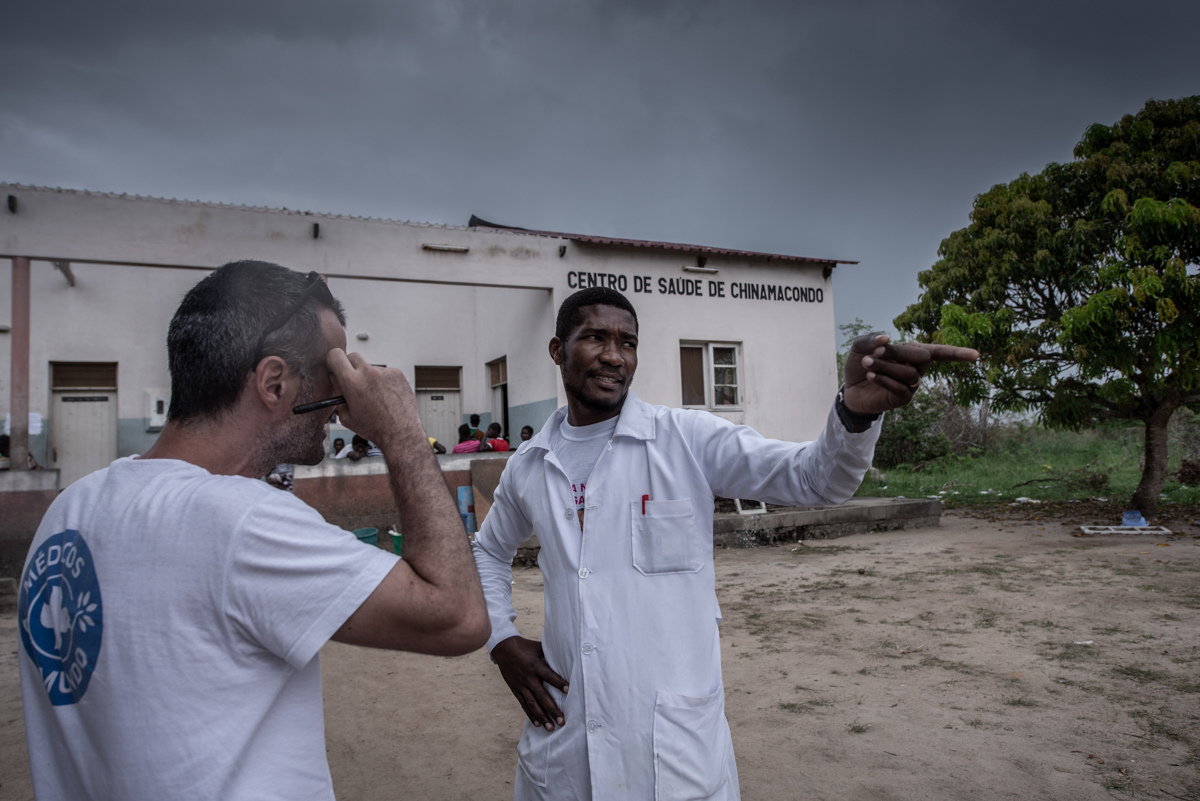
[{"x": 933, "y": 664}]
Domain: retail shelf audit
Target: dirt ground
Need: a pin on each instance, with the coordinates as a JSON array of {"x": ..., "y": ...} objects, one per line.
[{"x": 977, "y": 660}]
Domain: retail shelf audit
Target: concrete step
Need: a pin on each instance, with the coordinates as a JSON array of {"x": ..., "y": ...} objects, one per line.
[
  {"x": 855, "y": 516},
  {"x": 790, "y": 524}
]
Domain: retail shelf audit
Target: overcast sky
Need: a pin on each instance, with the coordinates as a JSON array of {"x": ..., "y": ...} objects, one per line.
[{"x": 852, "y": 130}]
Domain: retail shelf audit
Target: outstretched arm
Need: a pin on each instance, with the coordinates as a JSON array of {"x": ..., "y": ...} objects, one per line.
[{"x": 431, "y": 602}]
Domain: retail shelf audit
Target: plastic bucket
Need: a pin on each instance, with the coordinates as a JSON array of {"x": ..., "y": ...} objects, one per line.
[
  {"x": 1133, "y": 518},
  {"x": 397, "y": 543},
  {"x": 368, "y": 535}
]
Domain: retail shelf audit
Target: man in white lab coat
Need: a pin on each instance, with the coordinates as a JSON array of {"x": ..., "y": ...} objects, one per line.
[{"x": 624, "y": 694}]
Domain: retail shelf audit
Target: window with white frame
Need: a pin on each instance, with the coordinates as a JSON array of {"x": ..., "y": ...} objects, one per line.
[{"x": 711, "y": 375}]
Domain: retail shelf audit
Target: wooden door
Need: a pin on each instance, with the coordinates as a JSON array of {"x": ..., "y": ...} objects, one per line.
[
  {"x": 83, "y": 433},
  {"x": 440, "y": 411}
]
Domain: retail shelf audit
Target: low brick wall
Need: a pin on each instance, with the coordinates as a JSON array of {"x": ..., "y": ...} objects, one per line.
[
  {"x": 354, "y": 495},
  {"x": 25, "y": 495}
]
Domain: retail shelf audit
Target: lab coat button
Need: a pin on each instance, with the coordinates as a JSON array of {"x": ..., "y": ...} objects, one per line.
[
  {"x": 584, "y": 572},
  {"x": 588, "y": 647},
  {"x": 568, "y": 514},
  {"x": 592, "y": 726}
]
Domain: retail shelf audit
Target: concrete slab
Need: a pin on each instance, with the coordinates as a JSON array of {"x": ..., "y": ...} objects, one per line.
[
  {"x": 789, "y": 524},
  {"x": 855, "y": 516}
]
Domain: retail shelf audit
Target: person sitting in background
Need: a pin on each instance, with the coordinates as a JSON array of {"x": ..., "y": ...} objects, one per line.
[
  {"x": 339, "y": 447},
  {"x": 493, "y": 439},
  {"x": 526, "y": 433},
  {"x": 4, "y": 445},
  {"x": 281, "y": 477},
  {"x": 437, "y": 446},
  {"x": 358, "y": 448},
  {"x": 466, "y": 442},
  {"x": 476, "y": 432}
]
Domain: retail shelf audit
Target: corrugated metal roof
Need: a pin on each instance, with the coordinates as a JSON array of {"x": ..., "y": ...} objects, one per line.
[
  {"x": 230, "y": 206},
  {"x": 476, "y": 222}
]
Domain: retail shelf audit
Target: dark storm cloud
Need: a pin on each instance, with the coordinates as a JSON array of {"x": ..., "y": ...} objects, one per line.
[{"x": 855, "y": 129}]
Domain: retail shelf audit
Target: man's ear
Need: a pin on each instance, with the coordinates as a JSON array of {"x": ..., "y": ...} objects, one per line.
[
  {"x": 270, "y": 381},
  {"x": 556, "y": 351}
]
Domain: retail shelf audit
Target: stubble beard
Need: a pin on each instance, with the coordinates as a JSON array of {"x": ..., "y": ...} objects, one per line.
[
  {"x": 594, "y": 405},
  {"x": 298, "y": 441}
]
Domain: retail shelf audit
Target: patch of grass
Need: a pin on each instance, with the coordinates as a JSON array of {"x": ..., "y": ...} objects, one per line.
[
  {"x": 987, "y": 570},
  {"x": 1157, "y": 727},
  {"x": 947, "y": 664},
  {"x": 1110, "y": 630},
  {"x": 1019, "y": 454},
  {"x": 1140, "y": 675},
  {"x": 975, "y": 724},
  {"x": 1074, "y": 653},
  {"x": 1042, "y": 624},
  {"x": 859, "y": 728},
  {"x": 986, "y": 618},
  {"x": 1087, "y": 688},
  {"x": 1169, "y": 616},
  {"x": 1022, "y": 701},
  {"x": 804, "y": 706}
]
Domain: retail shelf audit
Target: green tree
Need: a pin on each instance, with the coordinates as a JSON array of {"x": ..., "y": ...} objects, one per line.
[{"x": 1079, "y": 285}]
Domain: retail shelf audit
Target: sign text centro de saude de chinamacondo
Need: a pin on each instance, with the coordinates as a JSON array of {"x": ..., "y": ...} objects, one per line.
[{"x": 695, "y": 287}]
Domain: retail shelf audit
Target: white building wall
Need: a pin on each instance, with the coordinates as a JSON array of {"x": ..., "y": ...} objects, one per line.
[
  {"x": 788, "y": 347},
  {"x": 419, "y": 307}
]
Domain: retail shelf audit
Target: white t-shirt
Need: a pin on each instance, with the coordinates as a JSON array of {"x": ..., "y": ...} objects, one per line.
[
  {"x": 577, "y": 449},
  {"x": 170, "y": 621}
]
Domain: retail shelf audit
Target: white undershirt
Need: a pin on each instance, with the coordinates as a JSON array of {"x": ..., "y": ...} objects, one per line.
[{"x": 577, "y": 449}]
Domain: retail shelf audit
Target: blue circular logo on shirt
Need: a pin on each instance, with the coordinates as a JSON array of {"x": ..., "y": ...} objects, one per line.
[{"x": 60, "y": 614}]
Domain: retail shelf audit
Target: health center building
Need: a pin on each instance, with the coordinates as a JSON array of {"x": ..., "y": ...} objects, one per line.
[{"x": 89, "y": 282}]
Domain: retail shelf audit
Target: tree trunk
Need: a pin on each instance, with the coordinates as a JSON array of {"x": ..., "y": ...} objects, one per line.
[
  {"x": 983, "y": 423},
  {"x": 1154, "y": 474}
]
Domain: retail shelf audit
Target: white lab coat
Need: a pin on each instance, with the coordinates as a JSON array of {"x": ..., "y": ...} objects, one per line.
[{"x": 630, "y": 603}]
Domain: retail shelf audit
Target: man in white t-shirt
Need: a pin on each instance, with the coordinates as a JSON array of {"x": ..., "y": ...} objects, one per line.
[
  {"x": 172, "y": 605},
  {"x": 624, "y": 693}
]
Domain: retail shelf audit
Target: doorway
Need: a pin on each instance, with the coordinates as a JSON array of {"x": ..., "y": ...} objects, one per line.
[
  {"x": 439, "y": 402},
  {"x": 498, "y": 377},
  {"x": 83, "y": 418}
]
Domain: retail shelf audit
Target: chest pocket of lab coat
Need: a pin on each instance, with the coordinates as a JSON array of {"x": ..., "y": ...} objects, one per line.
[{"x": 664, "y": 538}]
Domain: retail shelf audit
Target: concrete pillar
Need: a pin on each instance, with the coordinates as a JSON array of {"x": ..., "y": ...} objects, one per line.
[{"x": 18, "y": 449}]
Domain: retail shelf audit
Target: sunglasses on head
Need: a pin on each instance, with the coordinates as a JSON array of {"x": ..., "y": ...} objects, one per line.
[{"x": 316, "y": 288}]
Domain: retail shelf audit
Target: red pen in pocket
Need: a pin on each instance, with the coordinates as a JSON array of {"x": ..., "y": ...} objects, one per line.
[{"x": 644, "y": 499}]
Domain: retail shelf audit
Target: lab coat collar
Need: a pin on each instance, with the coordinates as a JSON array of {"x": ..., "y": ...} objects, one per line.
[{"x": 636, "y": 421}]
